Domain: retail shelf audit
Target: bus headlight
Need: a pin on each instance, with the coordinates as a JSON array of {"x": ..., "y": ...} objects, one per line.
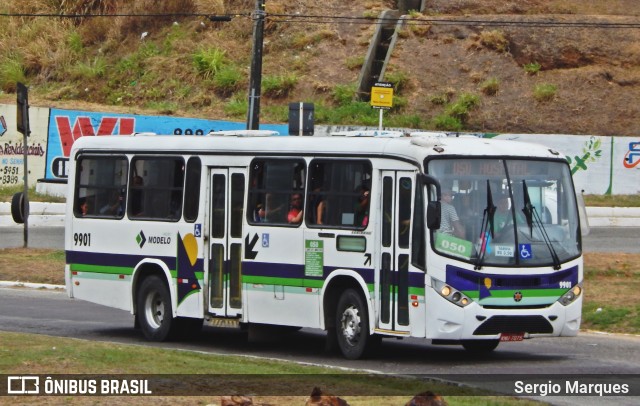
[
  {"x": 571, "y": 295},
  {"x": 451, "y": 294}
]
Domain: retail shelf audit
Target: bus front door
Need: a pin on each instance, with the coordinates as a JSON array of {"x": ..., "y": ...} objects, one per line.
[
  {"x": 225, "y": 251},
  {"x": 392, "y": 282}
]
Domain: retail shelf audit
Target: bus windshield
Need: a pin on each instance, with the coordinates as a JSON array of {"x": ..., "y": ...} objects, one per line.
[{"x": 506, "y": 212}]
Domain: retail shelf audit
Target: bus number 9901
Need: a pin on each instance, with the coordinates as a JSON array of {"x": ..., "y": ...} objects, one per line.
[{"x": 82, "y": 239}]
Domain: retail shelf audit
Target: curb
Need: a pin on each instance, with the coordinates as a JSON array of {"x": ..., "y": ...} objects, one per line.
[{"x": 17, "y": 284}]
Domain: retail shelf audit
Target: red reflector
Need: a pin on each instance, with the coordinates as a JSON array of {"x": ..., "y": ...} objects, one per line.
[
  {"x": 74, "y": 273},
  {"x": 414, "y": 297},
  {"x": 309, "y": 290},
  {"x": 121, "y": 276}
]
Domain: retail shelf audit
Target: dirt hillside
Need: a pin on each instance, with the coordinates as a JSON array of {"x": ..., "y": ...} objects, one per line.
[{"x": 532, "y": 66}]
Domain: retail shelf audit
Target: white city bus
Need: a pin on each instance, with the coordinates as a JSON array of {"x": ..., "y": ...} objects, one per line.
[{"x": 346, "y": 234}]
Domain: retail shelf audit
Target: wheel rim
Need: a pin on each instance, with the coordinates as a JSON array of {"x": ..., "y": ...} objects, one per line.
[
  {"x": 154, "y": 310},
  {"x": 351, "y": 325}
]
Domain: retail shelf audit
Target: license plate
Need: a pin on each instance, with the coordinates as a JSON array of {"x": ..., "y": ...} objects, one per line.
[{"x": 511, "y": 336}]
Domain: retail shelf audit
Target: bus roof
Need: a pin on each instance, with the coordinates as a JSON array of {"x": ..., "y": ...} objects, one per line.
[{"x": 416, "y": 147}]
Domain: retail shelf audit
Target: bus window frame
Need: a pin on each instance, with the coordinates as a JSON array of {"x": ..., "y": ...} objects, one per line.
[
  {"x": 252, "y": 201},
  {"x": 155, "y": 188},
  {"x": 77, "y": 186},
  {"x": 355, "y": 193}
]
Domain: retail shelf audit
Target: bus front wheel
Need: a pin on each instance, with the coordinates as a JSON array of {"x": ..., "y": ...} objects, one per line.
[
  {"x": 154, "y": 312},
  {"x": 352, "y": 325}
]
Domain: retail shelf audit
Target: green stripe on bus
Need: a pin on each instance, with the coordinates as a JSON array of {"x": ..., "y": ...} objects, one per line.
[
  {"x": 272, "y": 280},
  {"x": 121, "y": 270},
  {"x": 474, "y": 294}
]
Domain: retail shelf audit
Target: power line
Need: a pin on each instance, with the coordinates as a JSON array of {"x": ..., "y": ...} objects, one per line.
[
  {"x": 143, "y": 15},
  {"x": 334, "y": 19}
]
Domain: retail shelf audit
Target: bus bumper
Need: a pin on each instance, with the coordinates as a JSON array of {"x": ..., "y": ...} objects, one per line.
[{"x": 447, "y": 321}]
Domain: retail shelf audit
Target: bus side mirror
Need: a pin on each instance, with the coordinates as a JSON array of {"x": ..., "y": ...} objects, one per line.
[{"x": 434, "y": 215}]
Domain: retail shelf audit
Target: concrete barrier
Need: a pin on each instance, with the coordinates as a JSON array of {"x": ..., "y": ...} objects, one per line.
[
  {"x": 40, "y": 215},
  {"x": 52, "y": 215},
  {"x": 613, "y": 216}
]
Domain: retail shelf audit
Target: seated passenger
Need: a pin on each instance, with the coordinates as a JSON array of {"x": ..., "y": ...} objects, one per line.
[{"x": 295, "y": 212}]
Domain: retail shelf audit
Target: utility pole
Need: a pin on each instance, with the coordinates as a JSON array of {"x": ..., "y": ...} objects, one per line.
[
  {"x": 255, "y": 81},
  {"x": 23, "y": 126}
]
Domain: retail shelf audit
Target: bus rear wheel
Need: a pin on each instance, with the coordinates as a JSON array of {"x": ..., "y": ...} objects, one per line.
[
  {"x": 352, "y": 325},
  {"x": 480, "y": 346},
  {"x": 154, "y": 312}
]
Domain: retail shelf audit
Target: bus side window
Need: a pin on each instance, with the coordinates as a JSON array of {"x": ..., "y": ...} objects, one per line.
[
  {"x": 339, "y": 193},
  {"x": 192, "y": 189},
  {"x": 274, "y": 187},
  {"x": 156, "y": 188},
  {"x": 100, "y": 187}
]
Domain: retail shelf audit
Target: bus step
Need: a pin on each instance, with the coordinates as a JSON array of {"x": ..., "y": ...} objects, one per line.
[{"x": 221, "y": 322}]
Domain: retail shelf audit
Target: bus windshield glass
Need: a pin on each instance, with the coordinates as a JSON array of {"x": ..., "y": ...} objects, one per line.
[{"x": 506, "y": 212}]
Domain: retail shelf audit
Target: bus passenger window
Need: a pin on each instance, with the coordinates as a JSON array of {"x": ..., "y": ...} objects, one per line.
[
  {"x": 192, "y": 189},
  {"x": 339, "y": 193},
  {"x": 156, "y": 188},
  {"x": 273, "y": 184},
  {"x": 100, "y": 187}
]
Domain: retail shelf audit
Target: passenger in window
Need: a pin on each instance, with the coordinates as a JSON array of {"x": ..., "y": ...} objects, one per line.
[
  {"x": 259, "y": 214},
  {"x": 84, "y": 207},
  {"x": 362, "y": 208},
  {"x": 321, "y": 212},
  {"x": 113, "y": 206},
  {"x": 318, "y": 207},
  {"x": 295, "y": 212}
]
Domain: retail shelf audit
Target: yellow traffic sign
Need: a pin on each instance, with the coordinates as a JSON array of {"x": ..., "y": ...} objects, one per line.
[{"x": 382, "y": 95}]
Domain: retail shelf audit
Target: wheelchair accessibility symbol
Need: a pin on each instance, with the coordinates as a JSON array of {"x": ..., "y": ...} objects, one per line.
[{"x": 525, "y": 251}]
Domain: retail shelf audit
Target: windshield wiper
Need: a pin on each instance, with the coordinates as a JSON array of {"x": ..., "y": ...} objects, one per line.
[
  {"x": 487, "y": 222},
  {"x": 533, "y": 218}
]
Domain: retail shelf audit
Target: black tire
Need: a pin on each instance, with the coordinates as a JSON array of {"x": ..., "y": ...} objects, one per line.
[
  {"x": 352, "y": 325},
  {"x": 19, "y": 208},
  {"x": 480, "y": 346},
  {"x": 154, "y": 312}
]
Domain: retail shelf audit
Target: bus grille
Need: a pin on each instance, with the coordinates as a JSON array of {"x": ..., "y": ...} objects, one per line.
[{"x": 514, "y": 324}]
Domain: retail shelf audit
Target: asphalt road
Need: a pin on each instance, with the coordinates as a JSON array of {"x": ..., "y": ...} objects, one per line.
[
  {"x": 600, "y": 239},
  {"x": 53, "y": 313}
]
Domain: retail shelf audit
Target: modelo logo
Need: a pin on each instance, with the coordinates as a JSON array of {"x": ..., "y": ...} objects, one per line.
[
  {"x": 154, "y": 239},
  {"x": 142, "y": 239}
]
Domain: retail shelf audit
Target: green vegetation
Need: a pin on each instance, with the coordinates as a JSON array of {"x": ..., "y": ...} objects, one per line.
[
  {"x": 532, "y": 68},
  {"x": 11, "y": 72},
  {"x": 39, "y": 354},
  {"x": 612, "y": 200},
  {"x": 278, "y": 85},
  {"x": 495, "y": 40},
  {"x": 228, "y": 80},
  {"x": 209, "y": 61},
  {"x": 399, "y": 80},
  {"x": 355, "y": 62},
  {"x": 7, "y": 192},
  {"x": 490, "y": 86},
  {"x": 544, "y": 92}
]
